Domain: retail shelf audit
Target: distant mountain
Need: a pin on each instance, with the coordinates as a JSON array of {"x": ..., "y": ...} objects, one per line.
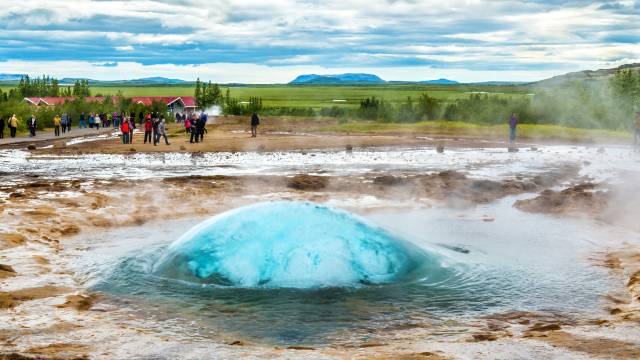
[
  {"x": 10, "y": 77},
  {"x": 439, "y": 82},
  {"x": 588, "y": 75},
  {"x": 143, "y": 81},
  {"x": 349, "y": 78}
]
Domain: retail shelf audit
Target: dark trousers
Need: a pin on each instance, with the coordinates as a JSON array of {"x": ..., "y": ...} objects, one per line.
[
  {"x": 56, "y": 130},
  {"x": 64, "y": 128},
  {"x": 147, "y": 135},
  {"x": 194, "y": 135},
  {"x": 254, "y": 130},
  {"x": 13, "y": 131},
  {"x": 131, "y": 136},
  {"x": 201, "y": 132},
  {"x": 32, "y": 130},
  {"x": 69, "y": 126},
  {"x": 2, "y": 132}
]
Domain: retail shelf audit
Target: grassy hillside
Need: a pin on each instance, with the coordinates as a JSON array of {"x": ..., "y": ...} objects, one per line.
[{"x": 317, "y": 96}]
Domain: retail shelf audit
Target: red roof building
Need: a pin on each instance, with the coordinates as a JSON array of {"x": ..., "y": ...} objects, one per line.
[{"x": 175, "y": 104}]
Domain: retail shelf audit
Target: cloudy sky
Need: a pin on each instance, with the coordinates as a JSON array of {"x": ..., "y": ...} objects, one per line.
[{"x": 273, "y": 41}]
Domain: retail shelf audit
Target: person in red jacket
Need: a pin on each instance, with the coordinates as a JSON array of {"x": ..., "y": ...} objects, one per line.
[
  {"x": 125, "y": 131},
  {"x": 148, "y": 126}
]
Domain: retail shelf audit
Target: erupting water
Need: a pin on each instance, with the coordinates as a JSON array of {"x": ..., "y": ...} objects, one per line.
[{"x": 295, "y": 245}]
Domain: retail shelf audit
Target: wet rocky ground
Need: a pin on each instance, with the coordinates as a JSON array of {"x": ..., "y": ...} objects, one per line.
[{"x": 46, "y": 311}]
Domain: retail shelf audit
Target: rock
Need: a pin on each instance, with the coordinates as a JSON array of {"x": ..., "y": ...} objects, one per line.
[
  {"x": 440, "y": 149},
  {"x": 31, "y": 147},
  {"x": 261, "y": 147},
  {"x": 615, "y": 311},
  {"x": 533, "y": 148},
  {"x": 573, "y": 199},
  {"x": 297, "y": 347},
  {"x": 79, "y": 302},
  {"x": 388, "y": 180},
  {"x": 9, "y": 240},
  {"x": 542, "y": 327},
  {"x": 308, "y": 182},
  {"x": 513, "y": 149},
  {"x": 6, "y": 271},
  {"x": 60, "y": 145},
  {"x": 484, "y": 337},
  {"x": 132, "y": 149},
  {"x": 70, "y": 229},
  {"x": 182, "y": 147},
  {"x": 349, "y": 147},
  {"x": 236, "y": 343},
  {"x": 601, "y": 150}
]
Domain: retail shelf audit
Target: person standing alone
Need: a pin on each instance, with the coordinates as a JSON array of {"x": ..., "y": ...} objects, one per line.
[
  {"x": 1, "y": 127},
  {"x": 513, "y": 123},
  {"x": 32, "y": 126},
  {"x": 255, "y": 121}
]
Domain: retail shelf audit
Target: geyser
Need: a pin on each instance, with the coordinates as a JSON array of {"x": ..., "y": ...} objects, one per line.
[{"x": 291, "y": 245}]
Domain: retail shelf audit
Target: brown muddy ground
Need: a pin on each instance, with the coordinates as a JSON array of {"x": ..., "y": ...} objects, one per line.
[
  {"x": 48, "y": 314},
  {"x": 275, "y": 134}
]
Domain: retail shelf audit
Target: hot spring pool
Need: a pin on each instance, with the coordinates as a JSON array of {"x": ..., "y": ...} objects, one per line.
[{"x": 299, "y": 273}]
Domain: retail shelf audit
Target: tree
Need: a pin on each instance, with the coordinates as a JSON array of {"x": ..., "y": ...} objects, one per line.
[{"x": 198, "y": 93}]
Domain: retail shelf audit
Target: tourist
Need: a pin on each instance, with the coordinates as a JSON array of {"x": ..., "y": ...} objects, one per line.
[
  {"x": 125, "y": 131},
  {"x": 513, "y": 123},
  {"x": 162, "y": 132},
  {"x": 637, "y": 133},
  {"x": 202, "y": 123},
  {"x": 140, "y": 117},
  {"x": 56, "y": 125},
  {"x": 148, "y": 126},
  {"x": 194, "y": 129},
  {"x": 32, "y": 126},
  {"x": 187, "y": 126},
  {"x": 132, "y": 126},
  {"x": 92, "y": 120},
  {"x": 97, "y": 121},
  {"x": 82, "y": 123},
  {"x": 1, "y": 127},
  {"x": 255, "y": 121},
  {"x": 63, "y": 122},
  {"x": 13, "y": 125},
  {"x": 154, "y": 127},
  {"x": 68, "y": 122},
  {"x": 178, "y": 118}
]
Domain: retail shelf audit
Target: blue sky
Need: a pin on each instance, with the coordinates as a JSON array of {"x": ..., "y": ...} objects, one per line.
[{"x": 267, "y": 42}]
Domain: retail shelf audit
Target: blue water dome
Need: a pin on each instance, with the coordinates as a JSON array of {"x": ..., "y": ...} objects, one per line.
[{"x": 288, "y": 244}]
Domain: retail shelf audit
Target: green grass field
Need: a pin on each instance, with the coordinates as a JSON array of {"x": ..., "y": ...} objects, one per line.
[
  {"x": 459, "y": 128},
  {"x": 319, "y": 96}
]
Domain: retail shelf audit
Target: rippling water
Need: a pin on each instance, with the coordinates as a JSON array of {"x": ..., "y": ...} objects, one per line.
[{"x": 494, "y": 267}]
